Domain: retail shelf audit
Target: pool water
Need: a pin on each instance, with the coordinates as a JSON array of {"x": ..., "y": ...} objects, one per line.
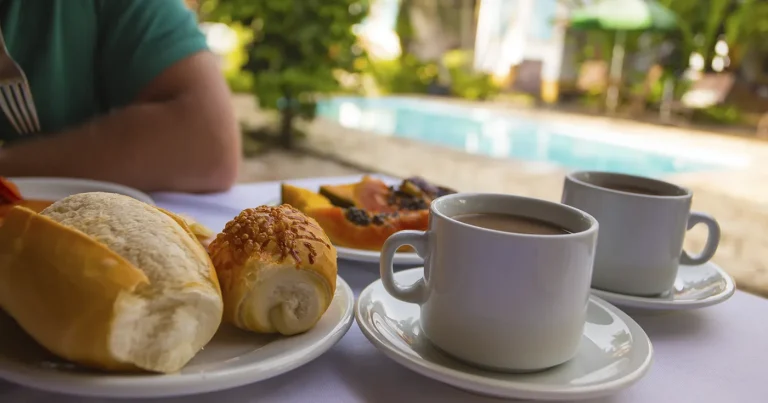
[{"x": 482, "y": 131}]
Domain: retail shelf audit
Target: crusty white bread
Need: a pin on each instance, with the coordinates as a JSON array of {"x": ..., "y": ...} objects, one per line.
[
  {"x": 277, "y": 270},
  {"x": 110, "y": 282}
]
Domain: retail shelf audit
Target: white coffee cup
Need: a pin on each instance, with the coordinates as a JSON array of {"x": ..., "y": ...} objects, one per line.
[
  {"x": 640, "y": 245},
  {"x": 500, "y": 300}
]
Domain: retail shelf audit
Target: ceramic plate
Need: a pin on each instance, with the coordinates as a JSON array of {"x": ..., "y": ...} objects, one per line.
[
  {"x": 614, "y": 353},
  {"x": 233, "y": 358},
  {"x": 695, "y": 287},
  {"x": 367, "y": 256},
  {"x": 373, "y": 256},
  {"x": 58, "y": 188}
]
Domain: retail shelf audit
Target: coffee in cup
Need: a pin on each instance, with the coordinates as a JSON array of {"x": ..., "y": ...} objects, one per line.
[
  {"x": 506, "y": 279},
  {"x": 643, "y": 222},
  {"x": 511, "y": 223}
]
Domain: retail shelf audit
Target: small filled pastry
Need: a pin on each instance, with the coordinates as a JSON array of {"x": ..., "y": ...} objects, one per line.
[{"x": 277, "y": 270}]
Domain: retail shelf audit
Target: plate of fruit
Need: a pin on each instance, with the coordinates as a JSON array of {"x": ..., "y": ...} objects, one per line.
[{"x": 358, "y": 217}]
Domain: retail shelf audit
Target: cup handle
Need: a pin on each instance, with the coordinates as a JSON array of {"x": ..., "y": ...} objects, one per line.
[
  {"x": 415, "y": 293},
  {"x": 713, "y": 239}
]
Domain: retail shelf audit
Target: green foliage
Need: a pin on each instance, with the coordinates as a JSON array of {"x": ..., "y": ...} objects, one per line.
[
  {"x": 654, "y": 94},
  {"x": 409, "y": 75},
  {"x": 748, "y": 26},
  {"x": 744, "y": 23},
  {"x": 238, "y": 79},
  {"x": 465, "y": 82},
  {"x": 473, "y": 86},
  {"x": 699, "y": 22},
  {"x": 725, "y": 114},
  {"x": 297, "y": 49},
  {"x": 404, "y": 75}
]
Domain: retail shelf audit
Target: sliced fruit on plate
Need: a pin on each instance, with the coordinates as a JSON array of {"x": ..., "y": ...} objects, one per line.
[
  {"x": 363, "y": 215},
  {"x": 339, "y": 195},
  {"x": 369, "y": 194},
  {"x": 360, "y": 229},
  {"x": 301, "y": 198},
  {"x": 373, "y": 195}
]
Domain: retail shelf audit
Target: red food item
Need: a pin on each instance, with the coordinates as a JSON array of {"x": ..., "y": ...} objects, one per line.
[{"x": 9, "y": 193}]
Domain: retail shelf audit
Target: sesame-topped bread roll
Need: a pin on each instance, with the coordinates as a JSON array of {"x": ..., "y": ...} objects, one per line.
[
  {"x": 110, "y": 282},
  {"x": 277, "y": 270}
]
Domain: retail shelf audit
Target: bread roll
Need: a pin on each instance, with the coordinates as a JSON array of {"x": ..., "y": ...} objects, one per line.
[
  {"x": 109, "y": 282},
  {"x": 277, "y": 270}
]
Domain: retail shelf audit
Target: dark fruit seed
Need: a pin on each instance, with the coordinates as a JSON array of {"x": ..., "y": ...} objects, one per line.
[
  {"x": 378, "y": 219},
  {"x": 357, "y": 216},
  {"x": 417, "y": 204}
]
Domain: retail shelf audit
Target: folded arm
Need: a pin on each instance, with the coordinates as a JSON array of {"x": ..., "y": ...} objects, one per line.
[{"x": 180, "y": 134}]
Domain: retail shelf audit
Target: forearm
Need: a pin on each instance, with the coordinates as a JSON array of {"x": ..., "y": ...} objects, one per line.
[{"x": 151, "y": 146}]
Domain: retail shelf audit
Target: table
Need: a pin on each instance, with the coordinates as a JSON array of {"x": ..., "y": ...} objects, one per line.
[{"x": 718, "y": 354}]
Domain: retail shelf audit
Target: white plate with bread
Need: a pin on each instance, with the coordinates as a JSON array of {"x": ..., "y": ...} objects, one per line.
[{"x": 109, "y": 296}]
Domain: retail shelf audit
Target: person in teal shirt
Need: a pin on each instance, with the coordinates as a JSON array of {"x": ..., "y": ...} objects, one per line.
[{"x": 125, "y": 90}]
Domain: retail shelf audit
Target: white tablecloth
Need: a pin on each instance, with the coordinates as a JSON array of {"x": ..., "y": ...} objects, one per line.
[{"x": 718, "y": 354}]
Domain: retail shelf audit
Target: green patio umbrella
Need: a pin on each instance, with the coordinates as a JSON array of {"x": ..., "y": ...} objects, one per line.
[{"x": 622, "y": 16}]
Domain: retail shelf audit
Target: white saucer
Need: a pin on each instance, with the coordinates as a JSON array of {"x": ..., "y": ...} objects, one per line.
[
  {"x": 58, "y": 188},
  {"x": 695, "y": 287},
  {"x": 615, "y": 352},
  {"x": 233, "y": 358}
]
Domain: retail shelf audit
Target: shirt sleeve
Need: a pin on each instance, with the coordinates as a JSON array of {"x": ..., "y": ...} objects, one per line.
[{"x": 138, "y": 40}]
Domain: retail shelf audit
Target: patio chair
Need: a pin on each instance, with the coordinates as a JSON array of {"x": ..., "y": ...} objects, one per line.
[
  {"x": 528, "y": 78},
  {"x": 709, "y": 90},
  {"x": 593, "y": 76}
]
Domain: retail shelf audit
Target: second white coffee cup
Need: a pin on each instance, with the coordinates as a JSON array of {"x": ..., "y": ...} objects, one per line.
[
  {"x": 643, "y": 222},
  {"x": 496, "y": 298}
]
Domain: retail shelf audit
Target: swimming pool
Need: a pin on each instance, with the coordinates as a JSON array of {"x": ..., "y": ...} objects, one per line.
[{"x": 483, "y": 131}]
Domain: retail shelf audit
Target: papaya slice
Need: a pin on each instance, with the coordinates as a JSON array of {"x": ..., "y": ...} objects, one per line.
[
  {"x": 339, "y": 195},
  {"x": 373, "y": 195},
  {"x": 301, "y": 198},
  {"x": 369, "y": 194},
  {"x": 360, "y": 229}
]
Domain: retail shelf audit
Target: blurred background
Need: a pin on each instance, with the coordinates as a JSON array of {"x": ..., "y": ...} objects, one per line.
[{"x": 508, "y": 95}]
